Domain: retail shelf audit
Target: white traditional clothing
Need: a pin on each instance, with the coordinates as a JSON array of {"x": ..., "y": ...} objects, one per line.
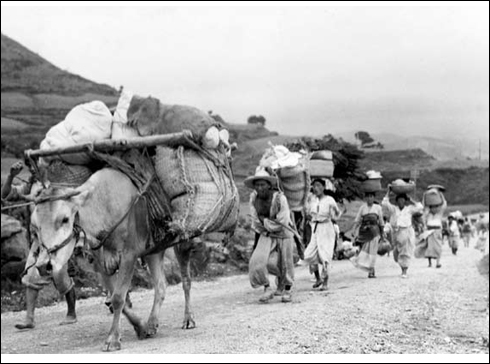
[
  {"x": 274, "y": 251},
  {"x": 322, "y": 244},
  {"x": 454, "y": 236},
  {"x": 431, "y": 244},
  {"x": 404, "y": 234},
  {"x": 366, "y": 259}
]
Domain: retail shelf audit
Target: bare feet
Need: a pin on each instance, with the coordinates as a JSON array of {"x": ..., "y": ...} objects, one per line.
[
  {"x": 69, "y": 320},
  {"x": 26, "y": 326}
]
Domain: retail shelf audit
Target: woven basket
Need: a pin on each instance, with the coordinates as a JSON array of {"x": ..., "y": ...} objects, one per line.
[
  {"x": 371, "y": 185},
  {"x": 432, "y": 198},
  {"x": 290, "y": 172},
  {"x": 295, "y": 199},
  {"x": 403, "y": 189},
  {"x": 59, "y": 172},
  {"x": 295, "y": 184}
]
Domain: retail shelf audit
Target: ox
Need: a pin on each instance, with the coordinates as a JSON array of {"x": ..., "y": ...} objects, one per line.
[{"x": 107, "y": 208}]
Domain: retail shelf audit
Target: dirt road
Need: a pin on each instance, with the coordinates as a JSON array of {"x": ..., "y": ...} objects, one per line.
[{"x": 434, "y": 311}]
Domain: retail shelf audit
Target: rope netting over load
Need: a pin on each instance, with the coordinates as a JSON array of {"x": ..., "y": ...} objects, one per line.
[{"x": 188, "y": 190}]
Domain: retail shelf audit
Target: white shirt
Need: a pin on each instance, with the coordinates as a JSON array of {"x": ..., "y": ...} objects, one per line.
[
  {"x": 322, "y": 209},
  {"x": 401, "y": 218},
  {"x": 454, "y": 229}
]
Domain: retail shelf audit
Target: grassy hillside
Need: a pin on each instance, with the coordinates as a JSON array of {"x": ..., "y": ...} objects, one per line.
[
  {"x": 26, "y": 72},
  {"x": 37, "y": 95}
]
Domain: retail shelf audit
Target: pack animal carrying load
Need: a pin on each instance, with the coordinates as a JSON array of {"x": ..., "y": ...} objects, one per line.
[{"x": 186, "y": 177}]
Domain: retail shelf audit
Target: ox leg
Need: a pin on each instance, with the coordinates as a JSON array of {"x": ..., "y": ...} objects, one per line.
[
  {"x": 155, "y": 263},
  {"x": 183, "y": 254},
  {"x": 118, "y": 300}
]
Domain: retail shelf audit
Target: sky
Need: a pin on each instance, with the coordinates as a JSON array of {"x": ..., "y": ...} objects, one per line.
[{"x": 413, "y": 70}]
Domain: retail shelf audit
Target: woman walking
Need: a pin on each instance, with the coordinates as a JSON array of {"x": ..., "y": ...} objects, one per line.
[
  {"x": 369, "y": 223},
  {"x": 404, "y": 234},
  {"x": 320, "y": 210},
  {"x": 454, "y": 234},
  {"x": 433, "y": 216}
]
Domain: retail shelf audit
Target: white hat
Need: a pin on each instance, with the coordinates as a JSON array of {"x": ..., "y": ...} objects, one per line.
[{"x": 260, "y": 174}]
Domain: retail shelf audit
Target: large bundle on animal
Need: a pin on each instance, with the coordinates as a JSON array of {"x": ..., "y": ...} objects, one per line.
[
  {"x": 201, "y": 189},
  {"x": 188, "y": 185},
  {"x": 84, "y": 123},
  {"x": 151, "y": 117}
]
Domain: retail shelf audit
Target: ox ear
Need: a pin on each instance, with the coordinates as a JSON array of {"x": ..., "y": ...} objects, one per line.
[{"x": 82, "y": 197}]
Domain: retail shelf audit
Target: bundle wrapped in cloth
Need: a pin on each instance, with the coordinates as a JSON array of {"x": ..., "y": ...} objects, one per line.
[
  {"x": 321, "y": 164},
  {"x": 83, "y": 124},
  {"x": 151, "y": 117}
]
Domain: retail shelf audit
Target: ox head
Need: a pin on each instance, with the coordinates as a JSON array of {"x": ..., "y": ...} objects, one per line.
[{"x": 53, "y": 225}]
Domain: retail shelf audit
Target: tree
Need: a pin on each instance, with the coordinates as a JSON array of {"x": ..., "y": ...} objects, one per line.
[
  {"x": 256, "y": 120},
  {"x": 364, "y": 138},
  {"x": 346, "y": 158}
]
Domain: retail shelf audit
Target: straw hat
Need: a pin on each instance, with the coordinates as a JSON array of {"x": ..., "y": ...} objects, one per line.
[{"x": 260, "y": 174}]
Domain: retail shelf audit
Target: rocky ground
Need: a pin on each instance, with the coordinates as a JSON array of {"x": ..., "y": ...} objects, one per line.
[{"x": 434, "y": 311}]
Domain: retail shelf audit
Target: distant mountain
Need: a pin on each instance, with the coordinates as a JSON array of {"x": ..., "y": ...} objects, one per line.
[{"x": 441, "y": 149}]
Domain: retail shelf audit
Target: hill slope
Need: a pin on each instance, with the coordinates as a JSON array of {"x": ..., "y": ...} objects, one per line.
[
  {"x": 36, "y": 95},
  {"x": 25, "y": 72}
]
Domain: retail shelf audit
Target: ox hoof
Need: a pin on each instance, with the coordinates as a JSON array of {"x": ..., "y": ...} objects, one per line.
[
  {"x": 28, "y": 326},
  {"x": 152, "y": 330},
  {"x": 141, "y": 333},
  {"x": 189, "y": 324},
  {"x": 68, "y": 321},
  {"x": 112, "y": 346}
]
